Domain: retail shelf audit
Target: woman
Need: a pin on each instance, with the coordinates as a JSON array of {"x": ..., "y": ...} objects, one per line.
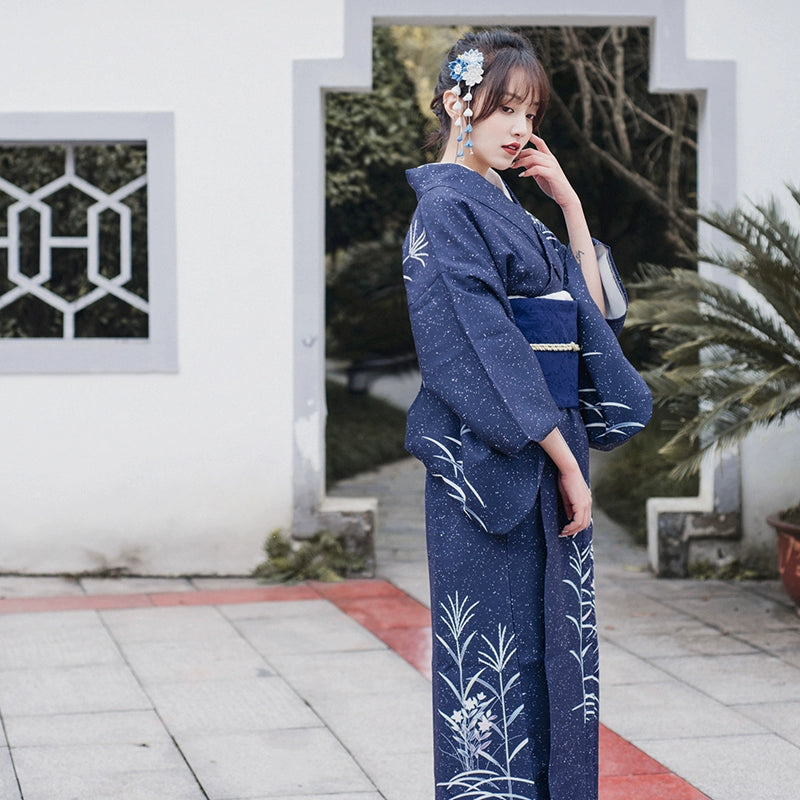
[{"x": 515, "y": 335}]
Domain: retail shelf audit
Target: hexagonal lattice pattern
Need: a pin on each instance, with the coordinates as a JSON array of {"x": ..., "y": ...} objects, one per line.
[{"x": 70, "y": 216}]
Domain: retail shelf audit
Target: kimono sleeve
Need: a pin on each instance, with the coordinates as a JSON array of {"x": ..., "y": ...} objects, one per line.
[
  {"x": 471, "y": 354},
  {"x": 613, "y": 291},
  {"x": 614, "y": 294},
  {"x": 615, "y": 401}
]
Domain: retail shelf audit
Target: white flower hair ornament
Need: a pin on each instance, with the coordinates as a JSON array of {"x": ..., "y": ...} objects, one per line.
[{"x": 468, "y": 67}]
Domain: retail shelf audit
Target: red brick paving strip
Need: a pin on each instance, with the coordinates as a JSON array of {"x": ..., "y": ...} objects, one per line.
[
  {"x": 201, "y": 597},
  {"x": 403, "y": 624}
]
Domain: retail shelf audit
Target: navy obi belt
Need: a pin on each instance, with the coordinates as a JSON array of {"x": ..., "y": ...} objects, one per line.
[{"x": 550, "y": 325}]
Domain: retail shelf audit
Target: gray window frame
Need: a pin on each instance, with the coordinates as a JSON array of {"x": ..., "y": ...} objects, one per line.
[{"x": 159, "y": 351}]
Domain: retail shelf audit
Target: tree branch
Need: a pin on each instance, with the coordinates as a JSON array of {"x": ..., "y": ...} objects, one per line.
[{"x": 649, "y": 191}]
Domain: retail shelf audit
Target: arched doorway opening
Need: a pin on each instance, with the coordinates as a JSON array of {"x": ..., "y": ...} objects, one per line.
[{"x": 712, "y": 83}]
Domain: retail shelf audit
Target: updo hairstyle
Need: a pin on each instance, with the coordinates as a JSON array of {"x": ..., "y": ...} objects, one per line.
[{"x": 504, "y": 53}]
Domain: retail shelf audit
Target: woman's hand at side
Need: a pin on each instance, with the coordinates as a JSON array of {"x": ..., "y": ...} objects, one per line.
[
  {"x": 577, "y": 499},
  {"x": 575, "y": 494}
]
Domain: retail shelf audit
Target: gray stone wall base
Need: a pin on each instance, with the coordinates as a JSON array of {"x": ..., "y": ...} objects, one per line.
[
  {"x": 353, "y": 520},
  {"x": 705, "y": 531},
  {"x": 688, "y": 538}
]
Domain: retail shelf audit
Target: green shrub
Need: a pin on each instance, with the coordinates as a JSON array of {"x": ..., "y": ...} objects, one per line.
[
  {"x": 323, "y": 557},
  {"x": 636, "y": 471},
  {"x": 361, "y": 434}
]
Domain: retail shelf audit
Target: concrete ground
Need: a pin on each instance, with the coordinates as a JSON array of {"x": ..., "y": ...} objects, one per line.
[{"x": 144, "y": 689}]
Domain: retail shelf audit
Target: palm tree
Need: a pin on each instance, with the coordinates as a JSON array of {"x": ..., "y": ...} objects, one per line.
[{"x": 730, "y": 353}]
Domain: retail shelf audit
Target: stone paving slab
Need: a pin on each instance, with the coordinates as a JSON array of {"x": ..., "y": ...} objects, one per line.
[
  {"x": 630, "y": 620},
  {"x": 132, "y": 754},
  {"x": 692, "y": 639},
  {"x": 230, "y": 706},
  {"x": 772, "y": 589},
  {"x": 51, "y": 640},
  {"x": 9, "y": 788},
  {"x": 132, "y": 585},
  {"x": 744, "y": 611},
  {"x": 324, "y": 629},
  {"x": 783, "y": 643},
  {"x": 401, "y": 776},
  {"x": 215, "y": 583},
  {"x": 69, "y": 690},
  {"x": 191, "y": 660},
  {"x": 140, "y": 727},
  {"x": 783, "y": 718},
  {"x": 760, "y": 767},
  {"x": 23, "y": 586},
  {"x": 105, "y": 772},
  {"x": 373, "y": 724},
  {"x": 668, "y": 709},
  {"x": 751, "y": 678},
  {"x": 365, "y": 672},
  {"x": 274, "y": 764},
  {"x": 621, "y": 667},
  {"x": 418, "y": 589},
  {"x": 204, "y": 623},
  {"x": 49, "y": 622},
  {"x": 668, "y": 589},
  {"x": 286, "y": 609},
  {"x": 326, "y": 796}
]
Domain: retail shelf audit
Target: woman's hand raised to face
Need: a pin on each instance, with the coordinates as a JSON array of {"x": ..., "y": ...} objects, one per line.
[{"x": 539, "y": 163}]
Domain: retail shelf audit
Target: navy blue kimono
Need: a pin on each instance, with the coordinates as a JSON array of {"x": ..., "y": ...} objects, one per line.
[{"x": 510, "y": 345}]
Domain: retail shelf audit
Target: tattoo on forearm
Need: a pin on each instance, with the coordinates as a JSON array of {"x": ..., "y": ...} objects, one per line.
[{"x": 578, "y": 256}]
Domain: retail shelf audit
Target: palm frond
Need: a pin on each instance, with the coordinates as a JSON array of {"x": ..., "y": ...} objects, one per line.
[
  {"x": 730, "y": 354},
  {"x": 691, "y": 313},
  {"x": 733, "y": 424},
  {"x": 768, "y": 255}
]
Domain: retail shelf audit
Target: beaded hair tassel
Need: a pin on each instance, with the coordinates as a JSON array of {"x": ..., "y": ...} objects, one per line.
[{"x": 468, "y": 67}]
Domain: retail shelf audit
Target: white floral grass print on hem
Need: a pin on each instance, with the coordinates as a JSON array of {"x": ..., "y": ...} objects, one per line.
[{"x": 480, "y": 725}]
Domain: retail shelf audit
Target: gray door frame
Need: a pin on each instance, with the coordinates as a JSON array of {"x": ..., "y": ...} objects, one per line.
[{"x": 713, "y": 82}]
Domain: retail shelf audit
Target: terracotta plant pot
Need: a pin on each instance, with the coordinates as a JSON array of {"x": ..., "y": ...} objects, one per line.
[{"x": 788, "y": 556}]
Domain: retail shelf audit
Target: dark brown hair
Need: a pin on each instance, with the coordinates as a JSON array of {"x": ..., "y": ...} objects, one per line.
[{"x": 503, "y": 53}]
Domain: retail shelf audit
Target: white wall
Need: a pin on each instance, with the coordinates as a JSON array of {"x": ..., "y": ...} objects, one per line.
[
  {"x": 189, "y": 472},
  {"x": 185, "y": 472},
  {"x": 759, "y": 37}
]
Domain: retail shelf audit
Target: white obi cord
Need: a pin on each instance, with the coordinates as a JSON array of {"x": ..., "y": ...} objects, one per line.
[{"x": 562, "y": 295}]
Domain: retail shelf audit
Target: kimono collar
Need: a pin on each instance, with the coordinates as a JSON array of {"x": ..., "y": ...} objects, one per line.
[
  {"x": 474, "y": 186},
  {"x": 454, "y": 176}
]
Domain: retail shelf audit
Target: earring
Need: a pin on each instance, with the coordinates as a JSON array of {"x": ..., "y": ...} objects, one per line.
[{"x": 468, "y": 67}]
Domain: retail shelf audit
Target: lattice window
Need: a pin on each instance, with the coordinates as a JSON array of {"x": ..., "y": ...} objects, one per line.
[
  {"x": 73, "y": 241},
  {"x": 87, "y": 243}
]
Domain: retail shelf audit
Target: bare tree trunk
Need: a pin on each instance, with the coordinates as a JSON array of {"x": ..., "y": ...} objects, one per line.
[
  {"x": 680, "y": 109},
  {"x": 575, "y": 56},
  {"x": 641, "y": 138},
  {"x": 649, "y": 191},
  {"x": 621, "y": 101}
]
